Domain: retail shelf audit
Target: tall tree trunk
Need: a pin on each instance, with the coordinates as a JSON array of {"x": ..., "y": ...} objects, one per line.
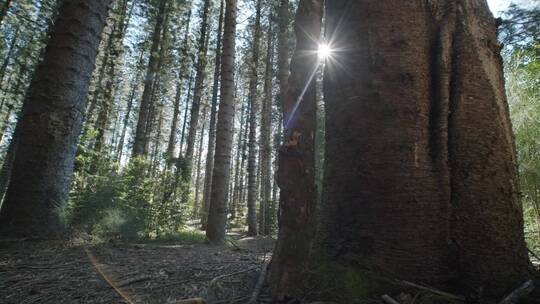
[
  {"x": 197, "y": 95},
  {"x": 129, "y": 107},
  {"x": 253, "y": 118},
  {"x": 240, "y": 207},
  {"x": 212, "y": 129},
  {"x": 141, "y": 137},
  {"x": 217, "y": 217},
  {"x": 283, "y": 49},
  {"x": 186, "y": 111},
  {"x": 296, "y": 172},
  {"x": 48, "y": 130},
  {"x": 178, "y": 97},
  {"x": 420, "y": 180},
  {"x": 266, "y": 144},
  {"x": 237, "y": 175},
  {"x": 115, "y": 48},
  {"x": 196, "y": 205}
]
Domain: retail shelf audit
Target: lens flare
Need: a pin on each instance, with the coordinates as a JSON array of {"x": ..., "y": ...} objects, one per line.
[{"x": 324, "y": 51}]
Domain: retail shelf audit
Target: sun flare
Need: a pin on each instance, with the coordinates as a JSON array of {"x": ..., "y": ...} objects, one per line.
[{"x": 324, "y": 51}]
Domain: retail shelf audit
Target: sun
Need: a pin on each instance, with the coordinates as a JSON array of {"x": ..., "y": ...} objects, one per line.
[{"x": 324, "y": 51}]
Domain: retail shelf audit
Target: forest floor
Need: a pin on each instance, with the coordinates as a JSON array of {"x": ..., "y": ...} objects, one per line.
[{"x": 37, "y": 271}]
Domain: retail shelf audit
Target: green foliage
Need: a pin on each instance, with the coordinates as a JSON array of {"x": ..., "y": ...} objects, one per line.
[
  {"x": 523, "y": 88},
  {"x": 131, "y": 204},
  {"x": 520, "y": 27}
]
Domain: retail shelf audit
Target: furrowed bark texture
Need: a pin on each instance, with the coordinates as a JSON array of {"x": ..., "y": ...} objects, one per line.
[
  {"x": 296, "y": 173},
  {"x": 51, "y": 121},
  {"x": 420, "y": 179},
  {"x": 217, "y": 217}
]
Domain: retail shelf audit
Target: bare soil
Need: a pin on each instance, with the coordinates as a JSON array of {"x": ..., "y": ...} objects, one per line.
[{"x": 37, "y": 271}]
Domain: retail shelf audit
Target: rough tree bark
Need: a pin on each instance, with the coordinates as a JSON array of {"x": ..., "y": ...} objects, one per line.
[
  {"x": 217, "y": 216},
  {"x": 296, "y": 172},
  {"x": 51, "y": 121},
  {"x": 253, "y": 119},
  {"x": 420, "y": 180},
  {"x": 212, "y": 129},
  {"x": 141, "y": 137}
]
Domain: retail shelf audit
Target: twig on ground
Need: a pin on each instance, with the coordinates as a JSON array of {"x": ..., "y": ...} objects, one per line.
[
  {"x": 133, "y": 280},
  {"x": 521, "y": 292},
  {"x": 234, "y": 244},
  {"x": 259, "y": 285},
  {"x": 433, "y": 291},
  {"x": 214, "y": 280},
  {"x": 389, "y": 300}
]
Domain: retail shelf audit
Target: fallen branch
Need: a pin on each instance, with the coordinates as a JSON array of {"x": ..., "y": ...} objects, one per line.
[
  {"x": 192, "y": 301},
  {"x": 433, "y": 291},
  {"x": 389, "y": 300},
  {"x": 214, "y": 280},
  {"x": 521, "y": 292},
  {"x": 259, "y": 285},
  {"x": 133, "y": 280}
]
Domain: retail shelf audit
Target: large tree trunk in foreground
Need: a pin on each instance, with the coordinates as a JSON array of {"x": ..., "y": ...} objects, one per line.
[
  {"x": 420, "y": 180},
  {"x": 296, "y": 172},
  {"x": 51, "y": 121},
  {"x": 217, "y": 216}
]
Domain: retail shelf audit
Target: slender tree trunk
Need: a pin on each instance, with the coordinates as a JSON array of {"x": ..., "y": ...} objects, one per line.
[
  {"x": 212, "y": 129},
  {"x": 178, "y": 98},
  {"x": 129, "y": 108},
  {"x": 239, "y": 210},
  {"x": 115, "y": 48},
  {"x": 296, "y": 172},
  {"x": 266, "y": 145},
  {"x": 197, "y": 95},
  {"x": 141, "y": 137},
  {"x": 422, "y": 185},
  {"x": 217, "y": 217},
  {"x": 49, "y": 128},
  {"x": 186, "y": 111},
  {"x": 237, "y": 174},
  {"x": 253, "y": 118},
  {"x": 196, "y": 205}
]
